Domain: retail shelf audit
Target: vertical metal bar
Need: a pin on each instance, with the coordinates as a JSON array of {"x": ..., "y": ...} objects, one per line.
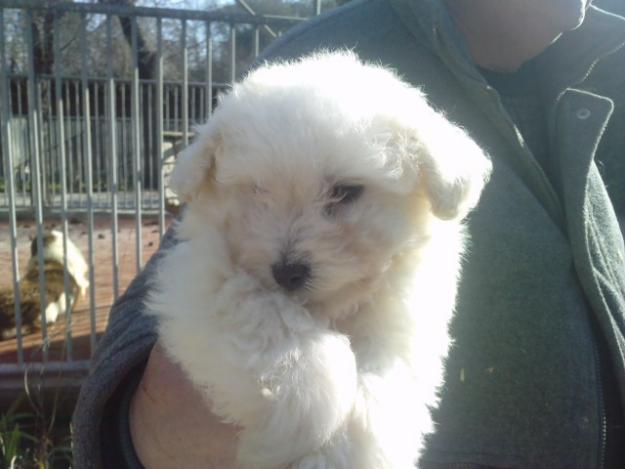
[
  {"x": 123, "y": 145},
  {"x": 176, "y": 108},
  {"x": 233, "y": 54},
  {"x": 15, "y": 133},
  {"x": 5, "y": 129},
  {"x": 60, "y": 137},
  {"x": 33, "y": 118},
  {"x": 129, "y": 155},
  {"x": 142, "y": 151},
  {"x": 106, "y": 161},
  {"x": 56, "y": 175},
  {"x": 128, "y": 191},
  {"x": 89, "y": 175},
  {"x": 159, "y": 125},
  {"x": 166, "y": 123},
  {"x": 79, "y": 174},
  {"x": 209, "y": 70},
  {"x": 23, "y": 141},
  {"x": 149, "y": 151},
  {"x": 96, "y": 130},
  {"x": 317, "y": 7},
  {"x": 112, "y": 153},
  {"x": 192, "y": 104},
  {"x": 136, "y": 143},
  {"x": 256, "y": 41},
  {"x": 52, "y": 162},
  {"x": 40, "y": 137},
  {"x": 203, "y": 111},
  {"x": 70, "y": 142},
  {"x": 185, "y": 86},
  {"x": 201, "y": 105}
]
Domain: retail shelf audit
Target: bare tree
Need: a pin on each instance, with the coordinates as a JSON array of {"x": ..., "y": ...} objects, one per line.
[
  {"x": 146, "y": 53},
  {"x": 42, "y": 29},
  {"x": 43, "y": 51}
]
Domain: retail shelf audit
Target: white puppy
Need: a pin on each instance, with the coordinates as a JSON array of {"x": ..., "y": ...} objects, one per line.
[{"x": 310, "y": 293}]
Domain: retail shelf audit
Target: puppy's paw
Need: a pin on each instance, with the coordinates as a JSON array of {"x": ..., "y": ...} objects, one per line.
[{"x": 312, "y": 379}]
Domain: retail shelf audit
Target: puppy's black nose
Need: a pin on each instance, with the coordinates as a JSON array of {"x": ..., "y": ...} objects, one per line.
[{"x": 290, "y": 276}]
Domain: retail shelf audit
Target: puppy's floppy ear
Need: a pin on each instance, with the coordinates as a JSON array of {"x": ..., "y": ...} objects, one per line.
[
  {"x": 194, "y": 165},
  {"x": 451, "y": 166}
]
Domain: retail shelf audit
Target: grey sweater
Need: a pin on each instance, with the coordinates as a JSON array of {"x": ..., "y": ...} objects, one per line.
[{"x": 541, "y": 306}]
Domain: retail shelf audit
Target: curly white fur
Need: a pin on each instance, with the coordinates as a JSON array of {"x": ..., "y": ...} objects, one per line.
[{"x": 340, "y": 373}]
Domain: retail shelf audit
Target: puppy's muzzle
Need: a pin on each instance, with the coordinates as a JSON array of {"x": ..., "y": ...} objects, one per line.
[{"x": 291, "y": 276}]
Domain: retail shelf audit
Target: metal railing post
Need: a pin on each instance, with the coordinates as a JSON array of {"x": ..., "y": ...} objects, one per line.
[
  {"x": 7, "y": 152},
  {"x": 89, "y": 168},
  {"x": 33, "y": 121},
  {"x": 60, "y": 138},
  {"x": 185, "y": 86},
  {"x": 159, "y": 125},
  {"x": 136, "y": 146},
  {"x": 110, "y": 109}
]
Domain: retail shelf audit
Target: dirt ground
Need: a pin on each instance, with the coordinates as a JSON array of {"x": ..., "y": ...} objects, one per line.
[{"x": 102, "y": 288}]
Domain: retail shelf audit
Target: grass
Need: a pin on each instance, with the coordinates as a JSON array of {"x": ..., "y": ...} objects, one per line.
[
  {"x": 33, "y": 439},
  {"x": 35, "y": 429}
]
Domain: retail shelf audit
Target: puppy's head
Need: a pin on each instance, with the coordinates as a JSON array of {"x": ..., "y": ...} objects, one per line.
[
  {"x": 321, "y": 173},
  {"x": 54, "y": 250}
]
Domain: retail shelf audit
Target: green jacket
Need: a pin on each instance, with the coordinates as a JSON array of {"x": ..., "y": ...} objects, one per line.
[{"x": 544, "y": 283}]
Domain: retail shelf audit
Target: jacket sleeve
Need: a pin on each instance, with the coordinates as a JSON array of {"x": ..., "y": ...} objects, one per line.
[{"x": 116, "y": 365}]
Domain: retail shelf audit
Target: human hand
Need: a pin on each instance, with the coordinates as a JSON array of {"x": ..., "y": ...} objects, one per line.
[{"x": 171, "y": 424}]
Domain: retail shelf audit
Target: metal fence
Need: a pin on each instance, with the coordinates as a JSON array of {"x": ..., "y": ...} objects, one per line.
[
  {"x": 86, "y": 138},
  {"x": 100, "y": 124}
]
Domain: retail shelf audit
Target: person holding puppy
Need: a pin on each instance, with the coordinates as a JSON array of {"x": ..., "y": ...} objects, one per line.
[{"x": 536, "y": 377}]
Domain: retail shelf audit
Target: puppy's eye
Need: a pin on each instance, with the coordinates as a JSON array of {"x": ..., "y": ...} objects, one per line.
[
  {"x": 341, "y": 195},
  {"x": 346, "y": 193}
]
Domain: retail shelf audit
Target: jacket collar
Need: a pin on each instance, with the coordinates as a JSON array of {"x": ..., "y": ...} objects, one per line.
[{"x": 569, "y": 61}]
